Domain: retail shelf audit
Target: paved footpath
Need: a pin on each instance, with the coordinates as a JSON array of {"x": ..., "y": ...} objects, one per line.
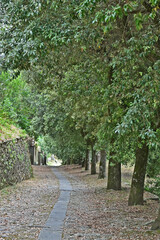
[{"x": 54, "y": 226}]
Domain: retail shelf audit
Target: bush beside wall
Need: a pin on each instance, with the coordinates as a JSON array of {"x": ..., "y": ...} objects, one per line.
[{"x": 15, "y": 164}]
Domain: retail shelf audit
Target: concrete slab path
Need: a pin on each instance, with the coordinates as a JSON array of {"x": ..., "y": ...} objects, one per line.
[{"x": 54, "y": 226}]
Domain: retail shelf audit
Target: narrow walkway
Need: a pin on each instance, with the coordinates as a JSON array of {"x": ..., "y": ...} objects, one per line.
[{"x": 54, "y": 226}]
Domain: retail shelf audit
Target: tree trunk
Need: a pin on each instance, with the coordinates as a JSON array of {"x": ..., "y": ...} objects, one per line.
[
  {"x": 68, "y": 162},
  {"x": 114, "y": 174},
  {"x": 93, "y": 162},
  {"x": 156, "y": 224},
  {"x": 114, "y": 168},
  {"x": 102, "y": 165},
  {"x": 87, "y": 160},
  {"x": 137, "y": 186},
  {"x": 80, "y": 161},
  {"x": 45, "y": 160},
  {"x": 83, "y": 162},
  {"x": 39, "y": 158},
  {"x": 97, "y": 158},
  {"x": 32, "y": 152}
]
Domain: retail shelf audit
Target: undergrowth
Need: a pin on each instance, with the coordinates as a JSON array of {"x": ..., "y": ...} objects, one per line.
[
  {"x": 8, "y": 129},
  {"x": 153, "y": 186}
]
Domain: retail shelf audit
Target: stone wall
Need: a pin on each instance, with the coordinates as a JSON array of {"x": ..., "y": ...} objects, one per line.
[{"x": 15, "y": 164}]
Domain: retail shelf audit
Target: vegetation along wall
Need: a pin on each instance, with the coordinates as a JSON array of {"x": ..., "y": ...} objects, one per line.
[{"x": 15, "y": 163}]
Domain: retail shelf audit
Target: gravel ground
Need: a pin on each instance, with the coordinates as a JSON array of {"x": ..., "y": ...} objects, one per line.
[
  {"x": 95, "y": 213},
  {"x": 25, "y": 207}
]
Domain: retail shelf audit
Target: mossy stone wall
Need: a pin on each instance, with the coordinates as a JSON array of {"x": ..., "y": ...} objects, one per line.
[{"x": 15, "y": 164}]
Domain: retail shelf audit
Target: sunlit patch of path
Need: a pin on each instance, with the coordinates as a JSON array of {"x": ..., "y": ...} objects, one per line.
[{"x": 54, "y": 226}]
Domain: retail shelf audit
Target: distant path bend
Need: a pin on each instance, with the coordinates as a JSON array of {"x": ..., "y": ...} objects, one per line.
[{"x": 54, "y": 226}]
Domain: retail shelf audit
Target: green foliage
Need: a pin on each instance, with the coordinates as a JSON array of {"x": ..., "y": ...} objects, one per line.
[
  {"x": 153, "y": 168},
  {"x": 59, "y": 135},
  {"x": 97, "y": 70},
  {"x": 153, "y": 186},
  {"x": 47, "y": 144},
  {"x": 16, "y": 100}
]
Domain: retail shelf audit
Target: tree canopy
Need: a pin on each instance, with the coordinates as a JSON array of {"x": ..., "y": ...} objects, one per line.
[{"x": 95, "y": 69}]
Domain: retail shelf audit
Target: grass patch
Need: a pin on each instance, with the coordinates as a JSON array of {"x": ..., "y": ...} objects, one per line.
[{"x": 8, "y": 130}]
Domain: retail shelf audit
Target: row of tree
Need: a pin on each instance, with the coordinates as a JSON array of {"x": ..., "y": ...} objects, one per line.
[{"x": 96, "y": 67}]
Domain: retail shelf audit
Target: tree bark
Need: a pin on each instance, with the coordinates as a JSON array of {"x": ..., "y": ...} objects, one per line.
[
  {"x": 68, "y": 162},
  {"x": 45, "y": 160},
  {"x": 102, "y": 165},
  {"x": 156, "y": 224},
  {"x": 137, "y": 186},
  {"x": 32, "y": 153},
  {"x": 39, "y": 158},
  {"x": 114, "y": 174},
  {"x": 93, "y": 161},
  {"x": 114, "y": 168},
  {"x": 87, "y": 160},
  {"x": 83, "y": 162}
]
